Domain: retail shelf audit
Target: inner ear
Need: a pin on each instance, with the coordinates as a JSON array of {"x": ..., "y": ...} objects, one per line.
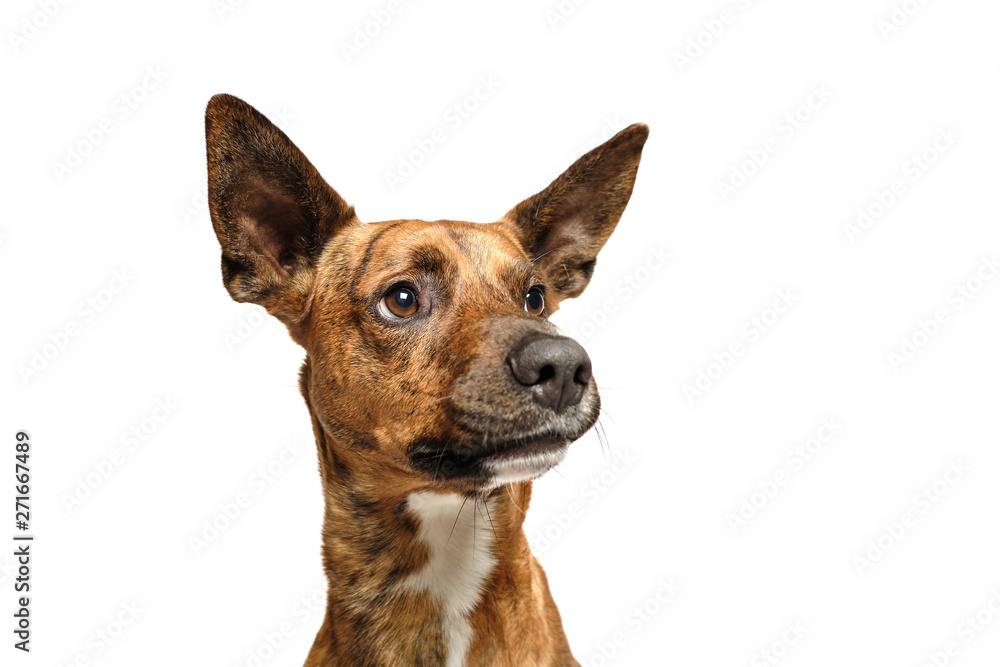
[{"x": 275, "y": 222}]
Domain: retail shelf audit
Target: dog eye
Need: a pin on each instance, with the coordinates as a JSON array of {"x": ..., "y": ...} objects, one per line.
[
  {"x": 534, "y": 301},
  {"x": 399, "y": 302}
]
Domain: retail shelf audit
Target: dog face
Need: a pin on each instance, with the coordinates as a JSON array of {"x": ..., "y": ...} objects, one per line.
[{"x": 430, "y": 354}]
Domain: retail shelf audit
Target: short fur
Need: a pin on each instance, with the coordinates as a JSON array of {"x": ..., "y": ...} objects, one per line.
[{"x": 422, "y": 414}]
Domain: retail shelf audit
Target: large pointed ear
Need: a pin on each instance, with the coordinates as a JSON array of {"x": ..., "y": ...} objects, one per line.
[
  {"x": 272, "y": 211},
  {"x": 563, "y": 227}
]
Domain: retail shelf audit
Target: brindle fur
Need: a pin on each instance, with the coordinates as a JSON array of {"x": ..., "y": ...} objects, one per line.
[{"x": 399, "y": 408}]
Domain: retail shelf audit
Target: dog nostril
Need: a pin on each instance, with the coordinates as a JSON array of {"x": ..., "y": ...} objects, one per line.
[
  {"x": 583, "y": 374},
  {"x": 546, "y": 373}
]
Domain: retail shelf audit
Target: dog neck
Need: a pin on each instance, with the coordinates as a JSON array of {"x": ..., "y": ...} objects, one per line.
[{"x": 417, "y": 576}]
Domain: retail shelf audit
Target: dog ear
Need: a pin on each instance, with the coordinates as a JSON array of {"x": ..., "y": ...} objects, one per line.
[
  {"x": 272, "y": 211},
  {"x": 563, "y": 227}
]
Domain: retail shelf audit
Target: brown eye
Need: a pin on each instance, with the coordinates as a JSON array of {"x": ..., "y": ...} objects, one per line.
[
  {"x": 399, "y": 302},
  {"x": 534, "y": 301}
]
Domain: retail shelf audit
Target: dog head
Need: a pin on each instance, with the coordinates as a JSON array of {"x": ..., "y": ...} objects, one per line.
[{"x": 429, "y": 351}]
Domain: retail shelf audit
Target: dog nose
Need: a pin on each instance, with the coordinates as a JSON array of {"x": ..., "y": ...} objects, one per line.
[{"x": 555, "y": 369}]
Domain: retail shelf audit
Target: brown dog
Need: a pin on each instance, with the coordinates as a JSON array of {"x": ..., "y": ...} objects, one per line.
[{"x": 437, "y": 387}]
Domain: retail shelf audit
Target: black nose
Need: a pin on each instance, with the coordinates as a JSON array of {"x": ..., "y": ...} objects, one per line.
[{"x": 556, "y": 370}]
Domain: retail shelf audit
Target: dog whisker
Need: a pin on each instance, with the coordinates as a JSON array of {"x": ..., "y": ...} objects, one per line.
[
  {"x": 607, "y": 440},
  {"x": 496, "y": 538},
  {"x": 444, "y": 447},
  {"x": 608, "y": 415},
  {"x": 511, "y": 496},
  {"x": 456, "y": 519},
  {"x": 602, "y": 437}
]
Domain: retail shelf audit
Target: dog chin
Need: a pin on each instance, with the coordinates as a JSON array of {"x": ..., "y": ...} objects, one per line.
[{"x": 526, "y": 466}]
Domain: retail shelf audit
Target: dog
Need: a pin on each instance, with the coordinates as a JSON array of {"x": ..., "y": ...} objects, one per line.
[{"x": 437, "y": 387}]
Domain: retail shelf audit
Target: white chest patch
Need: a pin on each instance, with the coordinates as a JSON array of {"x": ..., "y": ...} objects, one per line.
[{"x": 460, "y": 541}]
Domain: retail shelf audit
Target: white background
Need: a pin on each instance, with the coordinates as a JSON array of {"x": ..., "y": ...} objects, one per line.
[{"x": 134, "y": 203}]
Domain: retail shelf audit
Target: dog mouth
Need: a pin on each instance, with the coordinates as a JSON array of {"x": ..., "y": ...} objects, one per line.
[
  {"x": 526, "y": 459},
  {"x": 494, "y": 462},
  {"x": 528, "y": 447}
]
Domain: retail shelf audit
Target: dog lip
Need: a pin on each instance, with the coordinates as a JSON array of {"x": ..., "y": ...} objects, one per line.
[
  {"x": 522, "y": 447},
  {"x": 526, "y": 459},
  {"x": 481, "y": 459}
]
